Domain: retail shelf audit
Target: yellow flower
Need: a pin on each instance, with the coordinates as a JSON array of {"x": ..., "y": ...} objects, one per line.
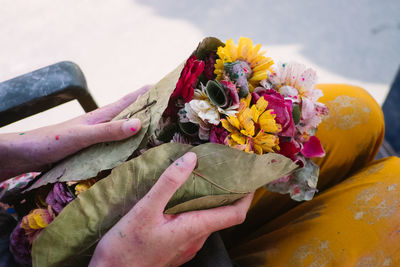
[
  {"x": 35, "y": 221},
  {"x": 84, "y": 185},
  {"x": 245, "y": 51},
  {"x": 253, "y": 128}
]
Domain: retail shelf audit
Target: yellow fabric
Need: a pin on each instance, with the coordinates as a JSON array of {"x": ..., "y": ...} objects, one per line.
[{"x": 356, "y": 221}]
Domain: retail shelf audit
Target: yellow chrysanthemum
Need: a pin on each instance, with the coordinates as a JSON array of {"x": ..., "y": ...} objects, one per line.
[
  {"x": 84, "y": 185},
  {"x": 37, "y": 219},
  {"x": 253, "y": 128},
  {"x": 245, "y": 51}
]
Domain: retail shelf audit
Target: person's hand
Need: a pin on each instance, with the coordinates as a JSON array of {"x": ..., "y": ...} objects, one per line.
[
  {"x": 146, "y": 236},
  {"x": 34, "y": 150}
]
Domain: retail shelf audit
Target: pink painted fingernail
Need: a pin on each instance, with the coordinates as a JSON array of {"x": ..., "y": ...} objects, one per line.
[{"x": 131, "y": 126}]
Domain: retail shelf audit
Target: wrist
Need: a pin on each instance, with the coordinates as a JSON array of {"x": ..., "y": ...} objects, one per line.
[
  {"x": 105, "y": 256},
  {"x": 7, "y": 156},
  {"x": 14, "y": 156}
]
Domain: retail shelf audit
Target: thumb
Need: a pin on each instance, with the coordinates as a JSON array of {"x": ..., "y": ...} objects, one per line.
[{"x": 111, "y": 131}]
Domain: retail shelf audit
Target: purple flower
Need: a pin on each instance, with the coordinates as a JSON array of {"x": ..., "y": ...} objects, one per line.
[
  {"x": 20, "y": 246},
  {"x": 58, "y": 197},
  {"x": 218, "y": 135}
]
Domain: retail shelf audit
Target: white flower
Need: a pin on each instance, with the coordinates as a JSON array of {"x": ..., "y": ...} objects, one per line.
[
  {"x": 311, "y": 115},
  {"x": 288, "y": 91},
  {"x": 230, "y": 111},
  {"x": 202, "y": 109},
  {"x": 295, "y": 75},
  {"x": 180, "y": 139},
  {"x": 190, "y": 115}
]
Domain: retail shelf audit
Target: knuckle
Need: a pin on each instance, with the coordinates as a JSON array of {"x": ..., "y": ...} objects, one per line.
[
  {"x": 239, "y": 216},
  {"x": 170, "y": 180},
  {"x": 108, "y": 129},
  {"x": 82, "y": 140},
  {"x": 112, "y": 131},
  {"x": 194, "y": 232},
  {"x": 235, "y": 217}
]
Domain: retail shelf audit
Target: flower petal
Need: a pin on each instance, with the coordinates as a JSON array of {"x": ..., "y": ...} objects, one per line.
[{"x": 313, "y": 148}]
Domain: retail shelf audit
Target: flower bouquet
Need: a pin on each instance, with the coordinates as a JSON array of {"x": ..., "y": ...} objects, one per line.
[{"x": 251, "y": 123}]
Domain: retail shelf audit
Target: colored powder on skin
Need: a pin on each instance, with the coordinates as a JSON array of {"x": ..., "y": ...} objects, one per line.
[
  {"x": 296, "y": 191},
  {"x": 133, "y": 129},
  {"x": 21, "y": 133},
  {"x": 57, "y": 137}
]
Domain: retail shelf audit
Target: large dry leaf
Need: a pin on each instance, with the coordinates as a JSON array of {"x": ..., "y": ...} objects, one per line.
[
  {"x": 149, "y": 108},
  {"x": 222, "y": 176},
  {"x": 89, "y": 162}
]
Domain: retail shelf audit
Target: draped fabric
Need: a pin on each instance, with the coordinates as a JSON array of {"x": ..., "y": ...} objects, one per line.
[{"x": 354, "y": 220}]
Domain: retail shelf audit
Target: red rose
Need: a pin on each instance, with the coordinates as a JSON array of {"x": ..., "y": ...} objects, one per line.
[
  {"x": 289, "y": 148},
  {"x": 184, "y": 89}
]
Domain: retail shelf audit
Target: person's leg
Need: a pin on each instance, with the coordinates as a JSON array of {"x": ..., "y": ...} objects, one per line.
[
  {"x": 355, "y": 223},
  {"x": 351, "y": 135}
]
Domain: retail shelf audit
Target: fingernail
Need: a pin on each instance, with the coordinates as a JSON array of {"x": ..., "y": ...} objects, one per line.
[
  {"x": 131, "y": 126},
  {"x": 187, "y": 160}
]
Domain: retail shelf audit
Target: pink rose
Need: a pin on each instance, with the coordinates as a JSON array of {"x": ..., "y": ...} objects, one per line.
[{"x": 282, "y": 108}]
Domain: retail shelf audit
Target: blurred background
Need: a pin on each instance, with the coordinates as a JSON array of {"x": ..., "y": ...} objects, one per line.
[{"x": 122, "y": 45}]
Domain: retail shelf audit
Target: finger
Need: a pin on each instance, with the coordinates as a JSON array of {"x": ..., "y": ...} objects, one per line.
[
  {"x": 212, "y": 220},
  {"x": 109, "y": 131},
  {"x": 171, "y": 179},
  {"x": 110, "y": 111}
]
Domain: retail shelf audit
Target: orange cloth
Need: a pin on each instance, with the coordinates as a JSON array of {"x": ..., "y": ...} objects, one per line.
[{"x": 350, "y": 222}]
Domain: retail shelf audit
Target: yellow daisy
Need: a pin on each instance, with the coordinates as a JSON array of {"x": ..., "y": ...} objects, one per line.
[
  {"x": 246, "y": 52},
  {"x": 253, "y": 128}
]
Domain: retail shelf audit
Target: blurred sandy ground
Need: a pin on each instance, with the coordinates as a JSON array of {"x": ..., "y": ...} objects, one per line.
[{"x": 121, "y": 45}]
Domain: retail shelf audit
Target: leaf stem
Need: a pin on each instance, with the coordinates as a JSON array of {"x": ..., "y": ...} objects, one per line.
[
  {"x": 142, "y": 108},
  {"x": 217, "y": 185}
]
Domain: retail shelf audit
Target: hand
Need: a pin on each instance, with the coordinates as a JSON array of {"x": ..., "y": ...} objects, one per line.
[
  {"x": 34, "y": 150},
  {"x": 146, "y": 236}
]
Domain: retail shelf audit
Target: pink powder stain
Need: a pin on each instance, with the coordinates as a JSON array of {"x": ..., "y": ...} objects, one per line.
[
  {"x": 133, "y": 129},
  {"x": 57, "y": 137}
]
